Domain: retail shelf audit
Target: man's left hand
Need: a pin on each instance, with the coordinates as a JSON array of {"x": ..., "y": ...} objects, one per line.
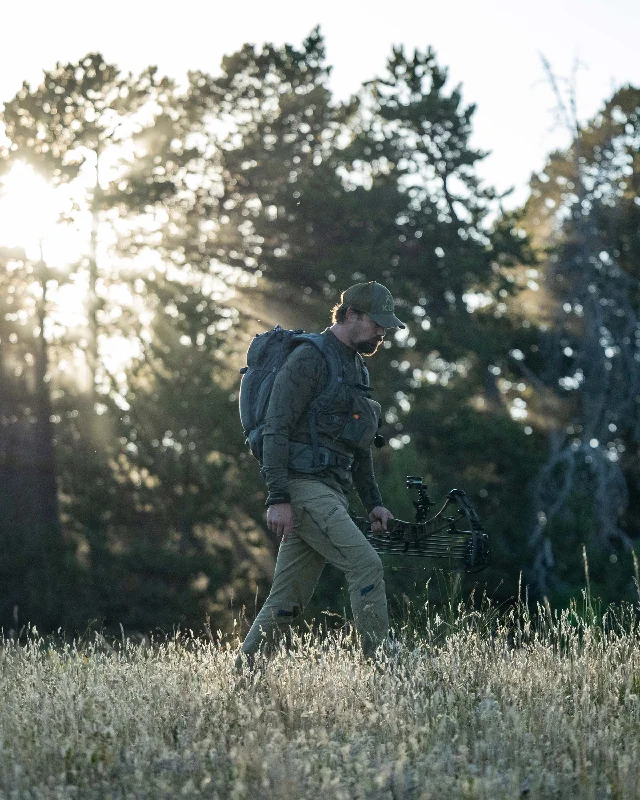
[{"x": 379, "y": 517}]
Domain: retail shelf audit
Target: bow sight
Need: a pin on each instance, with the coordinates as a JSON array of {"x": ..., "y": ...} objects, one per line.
[
  {"x": 456, "y": 537},
  {"x": 424, "y": 502}
]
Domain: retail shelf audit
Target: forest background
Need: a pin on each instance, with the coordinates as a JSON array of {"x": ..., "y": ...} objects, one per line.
[{"x": 164, "y": 224}]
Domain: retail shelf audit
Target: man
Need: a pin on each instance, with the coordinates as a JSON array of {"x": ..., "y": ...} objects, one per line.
[{"x": 307, "y": 501}]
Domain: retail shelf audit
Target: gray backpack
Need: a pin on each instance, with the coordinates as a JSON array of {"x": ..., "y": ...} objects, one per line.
[{"x": 266, "y": 354}]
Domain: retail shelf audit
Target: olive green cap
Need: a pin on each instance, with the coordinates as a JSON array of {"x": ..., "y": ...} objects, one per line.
[{"x": 375, "y": 300}]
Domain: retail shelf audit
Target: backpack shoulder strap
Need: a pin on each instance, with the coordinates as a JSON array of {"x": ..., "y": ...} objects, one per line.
[
  {"x": 363, "y": 371},
  {"x": 335, "y": 367}
]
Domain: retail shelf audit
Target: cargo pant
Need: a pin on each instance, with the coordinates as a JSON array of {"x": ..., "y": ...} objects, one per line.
[{"x": 323, "y": 531}]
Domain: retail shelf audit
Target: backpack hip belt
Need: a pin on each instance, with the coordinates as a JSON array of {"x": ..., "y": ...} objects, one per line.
[{"x": 305, "y": 458}]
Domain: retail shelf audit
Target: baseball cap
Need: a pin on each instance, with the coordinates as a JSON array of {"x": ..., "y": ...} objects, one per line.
[{"x": 375, "y": 300}]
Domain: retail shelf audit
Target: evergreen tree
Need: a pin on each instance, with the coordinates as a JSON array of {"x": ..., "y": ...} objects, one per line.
[
  {"x": 452, "y": 388},
  {"x": 120, "y": 141},
  {"x": 79, "y": 126},
  {"x": 392, "y": 195},
  {"x": 270, "y": 124},
  {"x": 30, "y": 527}
]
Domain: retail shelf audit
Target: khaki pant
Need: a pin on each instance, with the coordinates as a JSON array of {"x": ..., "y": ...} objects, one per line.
[{"x": 323, "y": 531}]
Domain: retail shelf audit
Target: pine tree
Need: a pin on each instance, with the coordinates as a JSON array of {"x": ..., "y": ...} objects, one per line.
[
  {"x": 393, "y": 195},
  {"x": 270, "y": 124},
  {"x": 78, "y": 126},
  {"x": 118, "y": 140}
]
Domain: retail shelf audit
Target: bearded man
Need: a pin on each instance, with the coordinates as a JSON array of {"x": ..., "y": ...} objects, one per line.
[{"x": 312, "y": 456}]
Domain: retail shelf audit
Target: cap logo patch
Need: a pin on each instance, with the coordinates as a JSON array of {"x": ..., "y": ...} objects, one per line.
[{"x": 388, "y": 305}]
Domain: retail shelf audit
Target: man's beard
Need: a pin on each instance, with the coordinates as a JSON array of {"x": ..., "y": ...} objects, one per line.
[{"x": 367, "y": 347}]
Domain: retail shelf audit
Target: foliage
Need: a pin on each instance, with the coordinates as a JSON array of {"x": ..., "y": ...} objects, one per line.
[
  {"x": 583, "y": 214},
  {"x": 138, "y": 554}
]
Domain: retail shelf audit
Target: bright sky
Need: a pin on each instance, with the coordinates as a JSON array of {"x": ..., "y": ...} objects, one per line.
[{"x": 492, "y": 47}]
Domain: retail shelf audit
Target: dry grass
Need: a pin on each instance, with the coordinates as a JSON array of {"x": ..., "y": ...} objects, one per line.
[{"x": 476, "y": 707}]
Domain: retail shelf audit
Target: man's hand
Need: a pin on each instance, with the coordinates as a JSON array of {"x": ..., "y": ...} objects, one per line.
[
  {"x": 379, "y": 517},
  {"x": 280, "y": 519}
]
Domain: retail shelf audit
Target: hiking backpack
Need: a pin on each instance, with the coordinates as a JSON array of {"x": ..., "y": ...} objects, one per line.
[{"x": 266, "y": 354}]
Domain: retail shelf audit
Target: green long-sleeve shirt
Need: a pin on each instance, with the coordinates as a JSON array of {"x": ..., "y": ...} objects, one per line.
[{"x": 298, "y": 382}]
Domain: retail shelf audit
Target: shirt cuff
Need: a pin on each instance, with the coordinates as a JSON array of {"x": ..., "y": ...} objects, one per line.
[{"x": 273, "y": 500}]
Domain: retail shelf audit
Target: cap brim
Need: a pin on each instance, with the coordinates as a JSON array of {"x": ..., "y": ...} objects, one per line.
[{"x": 387, "y": 320}]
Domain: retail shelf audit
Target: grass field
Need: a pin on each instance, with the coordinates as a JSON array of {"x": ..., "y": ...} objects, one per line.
[{"x": 475, "y": 706}]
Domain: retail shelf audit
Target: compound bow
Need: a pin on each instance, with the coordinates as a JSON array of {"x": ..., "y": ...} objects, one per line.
[{"x": 465, "y": 548}]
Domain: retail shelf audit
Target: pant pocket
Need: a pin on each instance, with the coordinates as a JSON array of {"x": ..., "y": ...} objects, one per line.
[{"x": 322, "y": 521}]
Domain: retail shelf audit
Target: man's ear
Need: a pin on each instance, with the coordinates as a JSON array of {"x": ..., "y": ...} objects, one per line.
[{"x": 352, "y": 314}]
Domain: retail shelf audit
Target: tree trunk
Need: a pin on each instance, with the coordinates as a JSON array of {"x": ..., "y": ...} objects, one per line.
[
  {"x": 93, "y": 301},
  {"x": 45, "y": 485}
]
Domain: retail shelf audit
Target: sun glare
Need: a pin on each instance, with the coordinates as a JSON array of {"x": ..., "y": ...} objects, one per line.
[
  {"x": 30, "y": 219},
  {"x": 53, "y": 223},
  {"x": 30, "y": 210}
]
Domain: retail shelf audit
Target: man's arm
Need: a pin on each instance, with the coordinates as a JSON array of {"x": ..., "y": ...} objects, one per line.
[
  {"x": 365, "y": 485},
  {"x": 364, "y": 481}
]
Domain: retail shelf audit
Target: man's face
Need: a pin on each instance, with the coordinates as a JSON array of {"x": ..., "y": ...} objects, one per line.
[{"x": 366, "y": 335}]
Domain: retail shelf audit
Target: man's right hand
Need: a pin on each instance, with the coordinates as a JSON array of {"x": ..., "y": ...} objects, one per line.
[{"x": 280, "y": 519}]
